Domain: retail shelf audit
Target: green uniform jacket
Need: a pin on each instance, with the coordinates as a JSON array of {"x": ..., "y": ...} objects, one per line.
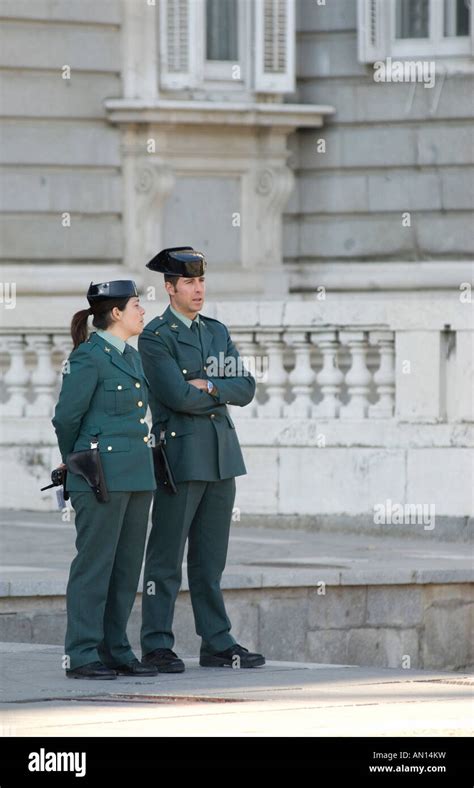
[
  {"x": 201, "y": 441},
  {"x": 102, "y": 395}
]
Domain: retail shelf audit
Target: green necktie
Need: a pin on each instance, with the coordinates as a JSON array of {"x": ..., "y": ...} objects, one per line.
[
  {"x": 195, "y": 328},
  {"x": 128, "y": 356}
]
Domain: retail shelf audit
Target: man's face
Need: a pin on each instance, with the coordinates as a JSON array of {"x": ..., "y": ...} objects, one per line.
[{"x": 188, "y": 296}]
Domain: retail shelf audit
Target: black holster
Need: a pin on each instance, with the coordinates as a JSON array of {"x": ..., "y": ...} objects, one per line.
[
  {"x": 88, "y": 464},
  {"x": 163, "y": 473}
]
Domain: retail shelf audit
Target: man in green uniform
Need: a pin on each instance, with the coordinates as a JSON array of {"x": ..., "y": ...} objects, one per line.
[{"x": 194, "y": 371}]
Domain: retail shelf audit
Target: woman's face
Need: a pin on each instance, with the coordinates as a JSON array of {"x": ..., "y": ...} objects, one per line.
[{"x": 129, "y": 320}]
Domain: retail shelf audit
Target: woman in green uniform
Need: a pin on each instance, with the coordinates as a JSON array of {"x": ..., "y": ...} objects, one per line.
[{"x": 104, "y": 398}]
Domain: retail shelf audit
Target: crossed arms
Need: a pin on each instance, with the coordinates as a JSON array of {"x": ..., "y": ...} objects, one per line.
[{"x": 182, "y": 396}]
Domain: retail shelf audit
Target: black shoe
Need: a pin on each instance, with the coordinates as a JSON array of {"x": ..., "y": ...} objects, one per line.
[
  {"x": 136, "y": 668},
  {"x": 165, "y": 660},
  {"x": 93, "y": 670},
  {"x": 228, "y": 658}
]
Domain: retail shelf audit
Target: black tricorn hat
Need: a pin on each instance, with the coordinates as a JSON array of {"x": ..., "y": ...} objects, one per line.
[
  {"x": 120, "y": 288},
  {"x": 178, "y": 261}
]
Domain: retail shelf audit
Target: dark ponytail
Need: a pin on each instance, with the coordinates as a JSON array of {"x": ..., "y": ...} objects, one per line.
[
  {"x": 79, "y": 327},
  {"x": 102, "y": 318}
]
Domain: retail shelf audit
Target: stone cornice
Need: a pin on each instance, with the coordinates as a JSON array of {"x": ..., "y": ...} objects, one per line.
[{"x": 286, "y": 117}]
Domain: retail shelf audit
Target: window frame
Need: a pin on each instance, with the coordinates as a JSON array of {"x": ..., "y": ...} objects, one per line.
[
  {"x": 202, "y": 79},
  {"x": 215, "y": 73},
  {"x": 376, "y": 27},
  {"x": 436, "y": 45}
]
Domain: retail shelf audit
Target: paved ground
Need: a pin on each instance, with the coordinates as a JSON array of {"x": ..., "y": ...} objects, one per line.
[
  {"x": 38, "y": 548},
  {"x": 279, "y": 699}
]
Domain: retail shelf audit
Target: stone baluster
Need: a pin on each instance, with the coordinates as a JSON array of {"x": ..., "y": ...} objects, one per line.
[
  {"x": 277, "y": 375},
  {"x": 330, "y": 377},
  {"x": 62, "y": 343},
  {"x": 358, "y": 377},
  {"x": 248, "y": 353},
  {"x": 301, "y": 377},
  {"x": 384, "y": 378},
  {"x": 17, "y": 376},
  {"x": 43, "y": 377}
]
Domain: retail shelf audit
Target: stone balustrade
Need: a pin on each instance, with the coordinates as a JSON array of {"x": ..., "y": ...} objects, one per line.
[
  {"x": 356, "y": 403},
  {"x": 336, "y": 373},
  {"x": 343, "y": 370}
]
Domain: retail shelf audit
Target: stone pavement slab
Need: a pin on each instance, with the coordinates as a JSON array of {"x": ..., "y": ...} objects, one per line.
[{"x": 279, "y": 699}]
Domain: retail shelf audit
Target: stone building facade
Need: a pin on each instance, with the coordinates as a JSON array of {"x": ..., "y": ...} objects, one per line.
[{"x": 320, "y": 154}]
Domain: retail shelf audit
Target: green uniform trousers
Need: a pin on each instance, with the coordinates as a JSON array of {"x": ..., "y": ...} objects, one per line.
[
  {"x": 200, "y": 512},
  {"x": 104, "y": 575}
]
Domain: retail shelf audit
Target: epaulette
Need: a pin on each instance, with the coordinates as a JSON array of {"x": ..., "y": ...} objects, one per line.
[
  {"x": 155, "y": 323},
  {"x": 207, "y": 319}
]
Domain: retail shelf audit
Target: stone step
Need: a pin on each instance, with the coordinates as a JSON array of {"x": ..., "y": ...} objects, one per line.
[
  {"x": 445, "y": 529},
  {"x": 292, "y": 594}
]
